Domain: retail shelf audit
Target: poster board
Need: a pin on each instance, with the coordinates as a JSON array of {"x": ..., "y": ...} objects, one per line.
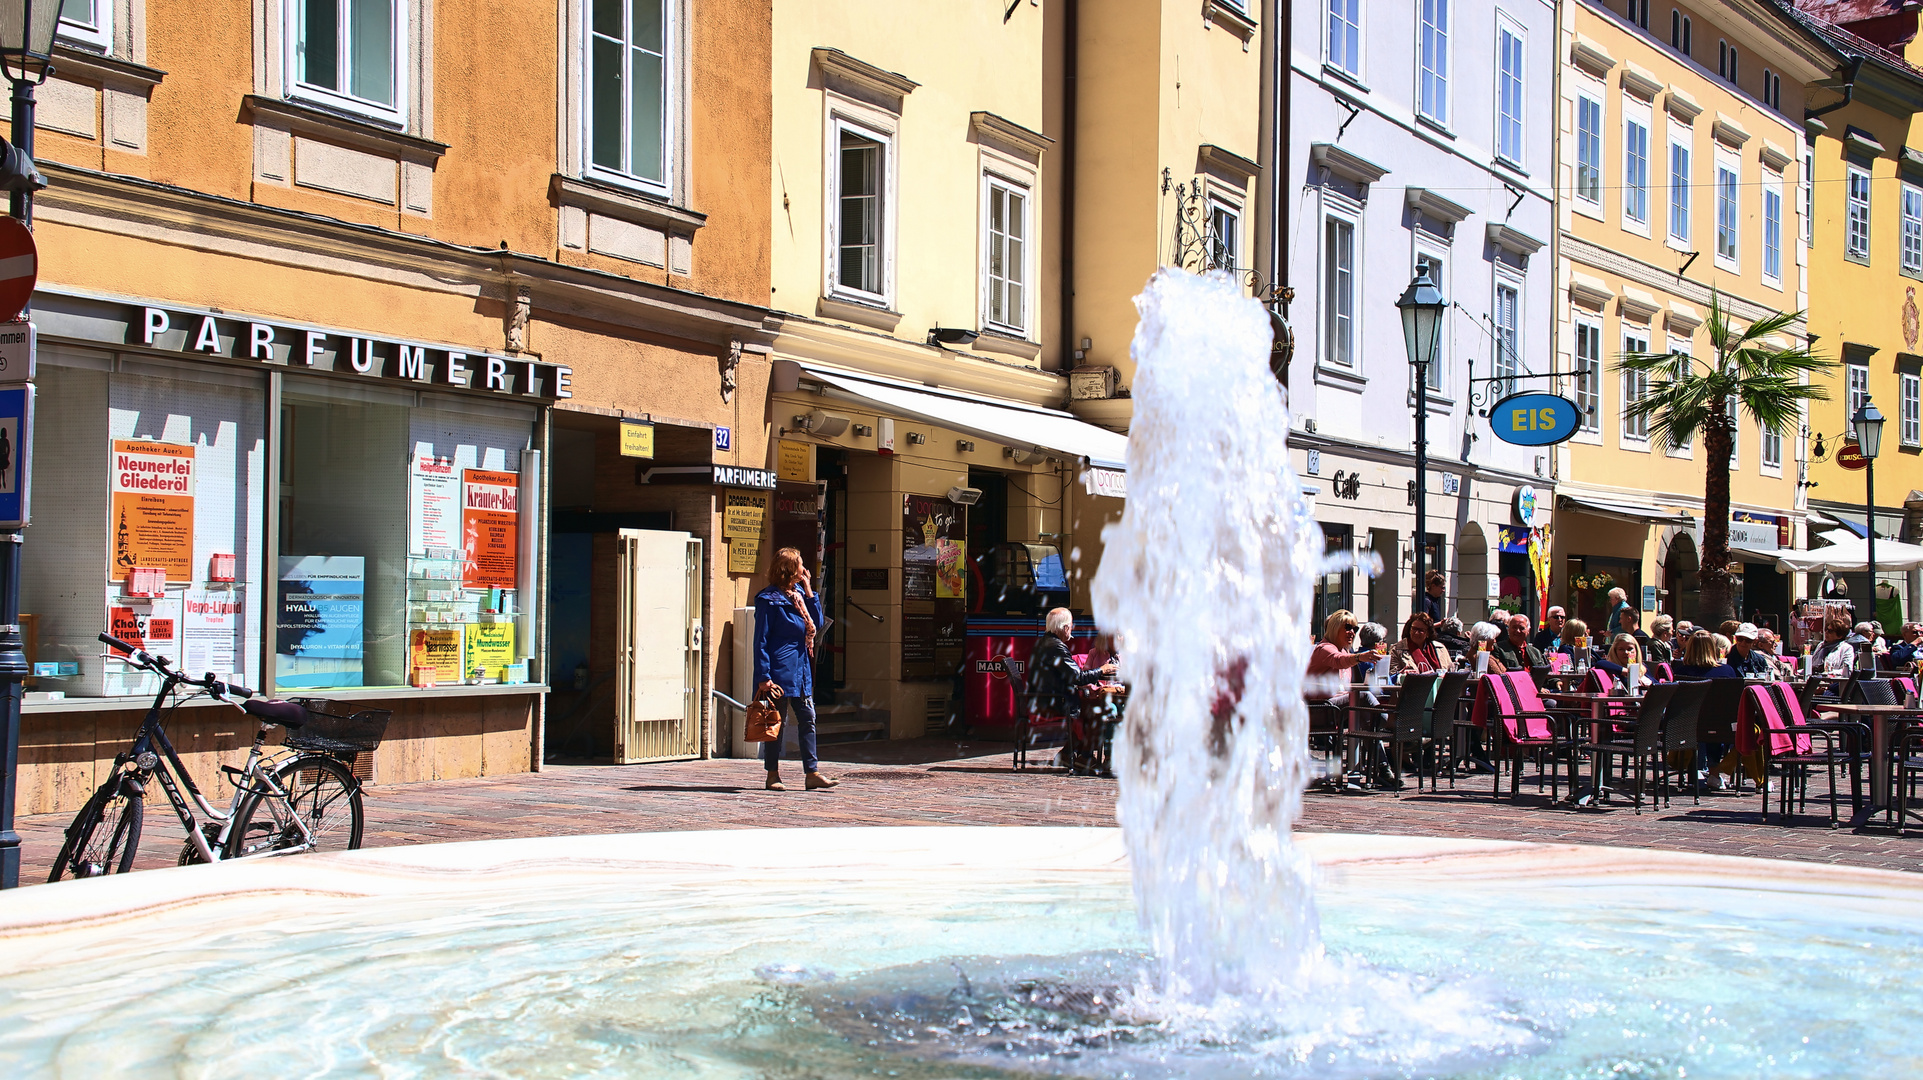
[
  {"x": 433, "y": 504},
  {"x": 744, "y": 514},
  {"x": 490, "y": 534},
  {"x": 319, "y": 626},
  {"x": 434, "y": 656},
  {"x": 212, "y": 623},
  {"x": 934, "y": 587},
  {"x": 744, "y": 554},
  {"x": 150, "y": 515},
  {"x": 490, "y": 648}
]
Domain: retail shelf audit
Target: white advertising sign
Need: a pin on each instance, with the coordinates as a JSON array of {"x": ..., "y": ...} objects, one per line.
[
  {"x": 434, "y": 504},
  {"x": 213, "y": 622}
]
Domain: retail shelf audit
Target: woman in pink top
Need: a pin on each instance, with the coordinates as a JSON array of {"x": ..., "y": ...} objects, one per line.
[{"x": 1331, "y": 659}]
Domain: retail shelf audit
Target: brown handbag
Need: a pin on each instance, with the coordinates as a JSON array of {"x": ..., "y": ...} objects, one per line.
[{"x": 764, "y": 720}]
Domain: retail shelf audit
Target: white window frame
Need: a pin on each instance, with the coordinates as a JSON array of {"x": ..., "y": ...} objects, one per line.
[
  {"x": 1220, "y": 209},
  {"x": 97, "y": 38},
  {"x": 1587, "y": 140},
  {"x": 1429, "y": 247},
  {"x": 1857, "y": 221},
  {"x": 1637, "y": 114},
  {"x": 1772, "y": 229},
  {"x": 1520, "y": 76},
  {"x": 670, "y": 105},
  {"x": 394, "y": 114},
  {"x": 1023, "y": 326},
  {"x": 1856, "y": 381},
  {"x": 1506, "y": 363},
  {"x": 1911, "y": 207},
  {"x": 1432, "y": 66},
  {"x": 1680, "y": 203},
  {"x": 1729, "y": 211},
  {"x": 1588, "y": 392},
  {"x": 1682, "y": 345},
  {"x": 1634, "y": 385},
  {"x": 1335, "y": 212},
  {"x": 1352, "y": 35},
  {"x": 1807, "y": 182},
  {"x": 1769, "y": 460},
  {"x": 1911, "y": 408},
  {"x": 883, "y": 128}
]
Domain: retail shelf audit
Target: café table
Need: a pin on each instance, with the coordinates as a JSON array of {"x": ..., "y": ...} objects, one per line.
[
  {"x": 1882, "y": 719},
  {"x": 1598, "y": 721}
]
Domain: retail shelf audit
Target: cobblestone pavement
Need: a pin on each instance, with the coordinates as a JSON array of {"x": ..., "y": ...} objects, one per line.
[{"x": 936, "y": 782}]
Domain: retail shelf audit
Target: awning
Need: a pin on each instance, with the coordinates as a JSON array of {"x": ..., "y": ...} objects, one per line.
[
  {"x": 1852, "y": 556},
  {"x": 1009, "y": 422},
  {"x": 1626, "y": 511}
]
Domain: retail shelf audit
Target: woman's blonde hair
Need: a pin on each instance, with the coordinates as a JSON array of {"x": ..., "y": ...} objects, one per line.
[
  {"x": 1625, "y": 641},
  {"x": 785, "y": 568},
  {"x": 1337, "y": 622},
  {"x": 1573, "y": 629},
  {"x": 1702, "y": 651}
]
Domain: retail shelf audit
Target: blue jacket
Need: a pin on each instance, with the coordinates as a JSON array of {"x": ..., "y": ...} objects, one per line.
[{"x": 781, "y": 651}]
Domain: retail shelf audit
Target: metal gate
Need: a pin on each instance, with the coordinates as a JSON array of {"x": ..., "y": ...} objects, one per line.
[{"x": 658, "y": 693}]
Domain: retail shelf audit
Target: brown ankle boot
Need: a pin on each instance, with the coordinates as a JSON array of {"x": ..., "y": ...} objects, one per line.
[
  {"x": 774, "y": 781},
  {"x": 816, "y": 780}
]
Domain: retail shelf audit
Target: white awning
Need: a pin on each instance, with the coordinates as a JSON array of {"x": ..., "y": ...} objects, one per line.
[
  {"x": 1010, "y": 422},
  {"x": 1852, "y": 556},
  {"x": 1625, "y": 511}
]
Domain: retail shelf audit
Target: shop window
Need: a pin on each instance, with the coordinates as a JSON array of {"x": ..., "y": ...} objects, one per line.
[
  {"x": 1334, "y": 589},
  {"x": 347, "y": 54},
  {"x": 89, "y": 23},
  {"x": 629, "y": 91},
  {"x": 149, "y": 521}
]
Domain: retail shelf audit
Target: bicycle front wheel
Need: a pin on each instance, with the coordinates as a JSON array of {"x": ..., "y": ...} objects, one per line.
[
  {"x": 103, "y": 836},
  {"x": 322, "y": 795}
]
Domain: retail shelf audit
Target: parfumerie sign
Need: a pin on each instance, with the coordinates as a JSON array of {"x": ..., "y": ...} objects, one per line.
[{"x": 204, "y": 334}]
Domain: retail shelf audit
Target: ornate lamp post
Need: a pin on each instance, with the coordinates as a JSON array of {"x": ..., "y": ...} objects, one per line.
[
  {"x": 1422, "y": 306},
  {"x": 1867, "y": 426}
]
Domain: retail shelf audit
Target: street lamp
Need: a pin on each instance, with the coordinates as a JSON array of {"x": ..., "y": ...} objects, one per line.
[
  {"x": 1867, "y": 425},
  {"x": 26, "y": 53},
  {"x": 1422, "y": 306}
]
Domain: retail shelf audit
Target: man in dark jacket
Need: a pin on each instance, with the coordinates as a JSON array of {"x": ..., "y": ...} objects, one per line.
[
  {"x": 1549, "y": 638},
  {"x": 1745, "y": 657},
  {"x": 1053, "y": 674},
  {"x": 1514, "y": 650}
]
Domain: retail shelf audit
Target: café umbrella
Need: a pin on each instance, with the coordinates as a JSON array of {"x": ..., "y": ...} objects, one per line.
[{"x": 1851, "y": 556}]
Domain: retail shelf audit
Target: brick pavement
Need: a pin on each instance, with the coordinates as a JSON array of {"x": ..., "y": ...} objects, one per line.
[{"x": 941, "y": 782}]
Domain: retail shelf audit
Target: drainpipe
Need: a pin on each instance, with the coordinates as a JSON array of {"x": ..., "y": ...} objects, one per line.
[
  {"x": 1071, "y": 52},
  {"x": 1849, "y": 93},
  {"x": 1268, "y": 185}
]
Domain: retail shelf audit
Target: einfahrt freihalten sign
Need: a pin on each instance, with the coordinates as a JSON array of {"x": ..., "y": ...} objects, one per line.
[{"x": 1534, "y": 419}]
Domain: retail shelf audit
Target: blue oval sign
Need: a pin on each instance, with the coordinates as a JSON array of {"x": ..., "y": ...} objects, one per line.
[{"x": 1534, "y": 419}]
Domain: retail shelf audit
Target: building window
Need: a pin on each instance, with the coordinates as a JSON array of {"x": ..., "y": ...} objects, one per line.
[
  {"x": 629, "y": 115},
  {"x": 1589, "y": 377},
  {"x": 1679, "y": 32},
  {"x": 1679, "y": 191},
  {"x": 1912, "y": 229},
  {"x": 348, "y": 53},
  {"x": 1808, "y": 182},
  {"x": 1857, "y": 243},
  {"x": 861, "y": 160},
  {"x": 1636, "y": 171},
  {"x": 1772, "y": 90},
  {"x": 1508, "y": 318},
  {"x": 1589, "y": 149},
  {"x": 88, "y": 22},
  {"x": 1434, "y": 46},
  {"x": 1509, "y": 103},
  {"x": 1007, "y": 262},
  {"x": 1432, "y": 264},
  {"x": 1912, "y": 419},
  {"x": 1773, "y": 227},
  {"x": 1735, "y": 431},
  {"x": 1638, "y": 11},
  {"x": 1345, "y": 36},
  {"x": 1225, "y": 236},
  {"x": 1725, "y": 214},
  {"x": 1726, "y": 60},
  {"x": 1857, "y": 377},
  {"x": 1338, "y": 291},
  {"x": 1635, "y": 385},
  {"x": 1773, "y": 451}
]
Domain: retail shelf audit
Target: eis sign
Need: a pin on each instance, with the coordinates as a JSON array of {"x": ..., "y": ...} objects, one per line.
[{"x": 298, "y": 347}]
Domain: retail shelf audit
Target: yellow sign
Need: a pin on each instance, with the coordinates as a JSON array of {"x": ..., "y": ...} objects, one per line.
[
  {"x": 744, "y": 554},
  {"x": 637, "y": 440},
  {"x": 794, "y": 461},
  {"x": 490, "y": 647},
  {"x": 434, "y": 656},
  {"x": 743, "y": 515}
]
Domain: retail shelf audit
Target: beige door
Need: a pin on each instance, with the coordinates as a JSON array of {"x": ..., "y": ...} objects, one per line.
[{"x": 658, "y": 668}]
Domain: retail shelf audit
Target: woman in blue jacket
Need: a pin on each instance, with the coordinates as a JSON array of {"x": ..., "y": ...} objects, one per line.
[{"x": 787, "y": 619}]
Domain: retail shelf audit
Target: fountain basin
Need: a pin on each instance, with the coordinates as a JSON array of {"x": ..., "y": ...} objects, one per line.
[{"x": 950, "y": 952}]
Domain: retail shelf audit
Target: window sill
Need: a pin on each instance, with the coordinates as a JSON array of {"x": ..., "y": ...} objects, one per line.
[
  {"x": 994, "y": 340},
  {"x": 1587, "y": 438},
  {"x": 1773, "y": 283},
  {"x": 1915, "y": 275},
  {"x": 299, "y": 118},
  {"x": 1230, "y": 17},
  {"x": 1860, "y": 260},
  {"x": 1730, "y": 265},
  {"x": 1588, "y": 209},
  {"x": 1634, "y": 228},
  {"x": 1342, "y": 75},
  {"x": 1638, "y": 446},
  {"x": 358, "y": 693},
  {"x": 1513, "y": 168},
  {"x": 76, "y": 61},
  {"x": 1434, "y": 126},
  {"x": 601, "y": 197},
  {"x": 1338, "y": 377},
  {"x": 860, "y": 312}
]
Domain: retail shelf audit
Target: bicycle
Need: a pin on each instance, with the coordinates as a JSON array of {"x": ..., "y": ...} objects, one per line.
[{"x": 307, "y": 800}]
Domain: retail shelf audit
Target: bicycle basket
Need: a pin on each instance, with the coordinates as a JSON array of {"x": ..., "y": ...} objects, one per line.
[{"x": 332, "y": 730}]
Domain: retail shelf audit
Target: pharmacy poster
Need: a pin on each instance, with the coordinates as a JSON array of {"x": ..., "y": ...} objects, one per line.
[
  {"x": 153, "y": 626},
  {"x": 490, "y": 513},
  {"x": 433, "y": 504},
  {"x": 318, "y": 632},
  {"x": 490, "y": 647},
  {"x": 211, "y": 627},
  {"x": 744, "y": 514},
  {"x": 434, "y": 657},
  {"x": 151, "y": 509}
]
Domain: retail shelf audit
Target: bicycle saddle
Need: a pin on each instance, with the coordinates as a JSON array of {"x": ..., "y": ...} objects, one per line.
[{"x": 285, "y": 713}]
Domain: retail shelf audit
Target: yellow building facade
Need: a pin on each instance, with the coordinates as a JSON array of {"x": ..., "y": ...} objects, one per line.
[{"x": 1680, "y": 174}]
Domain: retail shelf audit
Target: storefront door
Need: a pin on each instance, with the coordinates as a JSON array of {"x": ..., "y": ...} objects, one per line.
[{"x": 658, "y": 680}]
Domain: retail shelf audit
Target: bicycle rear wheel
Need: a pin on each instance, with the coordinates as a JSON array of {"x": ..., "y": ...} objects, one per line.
[
  {"x": 323, "y": 795},
  {"x": 103, "y": 836}
]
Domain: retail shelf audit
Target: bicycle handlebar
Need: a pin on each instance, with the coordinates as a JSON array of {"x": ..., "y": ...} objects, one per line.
[{"x": 119, "y": 644}]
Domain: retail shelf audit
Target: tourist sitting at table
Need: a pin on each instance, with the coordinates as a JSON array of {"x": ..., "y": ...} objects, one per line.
[
  {"x": 1903, "y": 650},
  {"x": 1878, "y": 643},
  {"x": 1628, "y": 621},
  {"x": 1573, "y": 631},
  {"x": 1549, "y": 638},
  {"x": 1449, "y": 635},
  {"x": 1482, "y": 638},
  {"x": 1418, "y": 653},
  {"x": 1728, "y": 629},
  {"x": 1684, "y": 631},
  {"x": 1836, "y": 657},
  {"x": 1745, "y": 657},
  {"x": 1623, "y": 651},
  {"x": 1332, "y": 663},
  {"x": 1369, "y": 638},
  {"x": 1514, "y": 650},
  {"x": 1771, "y": 648},
  {"x": 1661, "y": 646},
  {"x": 1703, "y": 659}
]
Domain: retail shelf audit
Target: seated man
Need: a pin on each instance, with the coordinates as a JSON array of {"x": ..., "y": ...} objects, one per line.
[
  {"x": 1745, "y": 657},
  {"x": 1515, "y": 651},
  {"x": 1549, "y": 638},
  {"x": 1053, "y": 675},
  {"x": 1903, "y": 651}
]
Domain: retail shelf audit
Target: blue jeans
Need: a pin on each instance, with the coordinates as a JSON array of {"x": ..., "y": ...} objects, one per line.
[{"x": 800, "y": 718}]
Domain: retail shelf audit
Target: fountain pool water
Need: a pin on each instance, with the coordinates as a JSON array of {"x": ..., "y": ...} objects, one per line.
[{"x": 937, "y": 952}]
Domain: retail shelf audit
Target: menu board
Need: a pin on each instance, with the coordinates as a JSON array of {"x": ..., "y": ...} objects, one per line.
[{"x": 934, "y": 587}]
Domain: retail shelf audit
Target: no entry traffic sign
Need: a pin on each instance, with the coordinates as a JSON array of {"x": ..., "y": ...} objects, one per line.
[{"x": 19, "y": 268}]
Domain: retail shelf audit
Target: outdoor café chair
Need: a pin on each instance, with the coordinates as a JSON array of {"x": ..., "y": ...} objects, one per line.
[
  {"x": 1772, "y": 715},
  {"x": 1403, "y": 725},
  {"x": 1873, "y": 692},
  {"x": 1643, "y": 747},
  {"x": 1683, "y": 727},
  {"x": 1445, "y": 722},
  {"x": 1908, "y": 769},
  {"x": 1034, "y": 728},
  {"x": 1522, "y": 727}
]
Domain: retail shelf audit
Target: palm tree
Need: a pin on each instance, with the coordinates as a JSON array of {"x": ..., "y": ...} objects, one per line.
[{"x": 1687, "y": 394}]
